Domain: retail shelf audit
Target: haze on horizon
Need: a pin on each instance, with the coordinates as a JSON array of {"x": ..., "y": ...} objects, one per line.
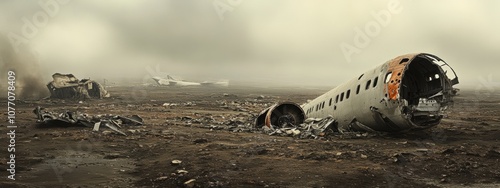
[{"x": 289, "y": 42}]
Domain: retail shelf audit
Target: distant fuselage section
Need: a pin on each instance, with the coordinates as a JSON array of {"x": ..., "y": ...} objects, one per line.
[{"x": 170, "y": 81}]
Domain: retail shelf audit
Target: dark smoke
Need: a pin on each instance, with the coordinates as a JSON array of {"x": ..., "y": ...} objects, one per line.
[{"x": 29, "y": 83}]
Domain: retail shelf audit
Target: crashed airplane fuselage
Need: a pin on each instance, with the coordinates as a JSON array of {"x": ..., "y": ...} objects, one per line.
[
  {"x": 170, "y": 81},
  {"x": 406, "y": 93}
]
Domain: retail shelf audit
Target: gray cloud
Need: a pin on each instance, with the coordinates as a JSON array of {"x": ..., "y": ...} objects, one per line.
[{"x": 280, "y": 42}]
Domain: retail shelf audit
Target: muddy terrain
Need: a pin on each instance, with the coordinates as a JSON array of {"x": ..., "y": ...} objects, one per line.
[{"x": 190, "y": 124}]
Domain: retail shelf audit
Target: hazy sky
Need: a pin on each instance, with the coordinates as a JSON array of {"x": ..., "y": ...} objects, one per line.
[{"x": 279, "y": 41}]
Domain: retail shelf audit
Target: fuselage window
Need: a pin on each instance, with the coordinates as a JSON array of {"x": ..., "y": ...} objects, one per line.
[
  {"x": 375, "y": 81},
  {"x": 368, "y": 84},
  {"x": 388, "y": 77},
  {"x": 337, "y": 99},
  {"x": 323, "y": 105},
  {"x": 348, "y": 94},
  {"x": 330, "y": 103},
  {"x": 357, "y": 89},
  {"x": 341, "y": 97}
]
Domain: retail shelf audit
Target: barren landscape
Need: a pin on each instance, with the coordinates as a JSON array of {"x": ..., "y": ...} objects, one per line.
[{"x": 204, "y": 128}]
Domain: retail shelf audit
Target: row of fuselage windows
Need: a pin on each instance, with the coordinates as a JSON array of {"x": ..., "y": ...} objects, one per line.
[{"x": 340, "y": 97}]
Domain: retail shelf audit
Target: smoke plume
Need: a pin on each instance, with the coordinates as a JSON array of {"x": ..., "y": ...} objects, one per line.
[{"x": 23, "y": 62}]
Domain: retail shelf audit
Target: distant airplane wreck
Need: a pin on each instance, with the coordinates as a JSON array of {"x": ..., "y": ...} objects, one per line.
[
  {"x": 409, "y": 92},
  {"x": 67, "y": 86},
  {"x": 170, "y": 81}
]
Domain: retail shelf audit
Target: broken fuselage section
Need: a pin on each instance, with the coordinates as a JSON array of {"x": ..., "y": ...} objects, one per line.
[
  {"x": 67, "y": 86},
  {"x": 170, "y": 81},
  {"x": 408, "y": 92}
]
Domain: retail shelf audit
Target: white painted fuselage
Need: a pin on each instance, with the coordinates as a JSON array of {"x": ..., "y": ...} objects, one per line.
[{"x": 407, "y": 92}]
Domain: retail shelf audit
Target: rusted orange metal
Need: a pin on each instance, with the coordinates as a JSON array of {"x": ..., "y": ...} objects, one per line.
[{"x": 397, "y": 66}]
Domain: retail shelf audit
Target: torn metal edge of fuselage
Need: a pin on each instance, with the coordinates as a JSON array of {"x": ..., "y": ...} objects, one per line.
[{"x": 430, "y": 109}]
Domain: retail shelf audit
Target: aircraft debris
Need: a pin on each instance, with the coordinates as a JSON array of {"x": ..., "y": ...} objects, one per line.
[
  {"x": 67, "y": 86},
  {"x": 229, "y": 95},
  {"x": 311, "y": 128},
  {"x": 422, "y": 150},
  {"x": 176, "y": 162},
  {"x": 409, "y": 92},
  {"x": 170, "y": 81},
  {"x": 182, "y": 172},
  {"x": 190, "y": 183},
  {"x": 69, "y": 118},
  {"x": 162, "y": 178},
  {"x": 170, "y": 104}
]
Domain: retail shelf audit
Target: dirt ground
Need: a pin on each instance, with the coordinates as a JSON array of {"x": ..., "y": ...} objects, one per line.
[{"x": 463, "y": 151}]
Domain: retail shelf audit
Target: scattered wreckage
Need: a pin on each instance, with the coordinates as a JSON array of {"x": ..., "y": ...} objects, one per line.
[
  {"x": 409, "y": 92},
  {"x": 67, "y": 86},
  {"x": 311, "y": 128},
  {"x": 67, "y": 118}
]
